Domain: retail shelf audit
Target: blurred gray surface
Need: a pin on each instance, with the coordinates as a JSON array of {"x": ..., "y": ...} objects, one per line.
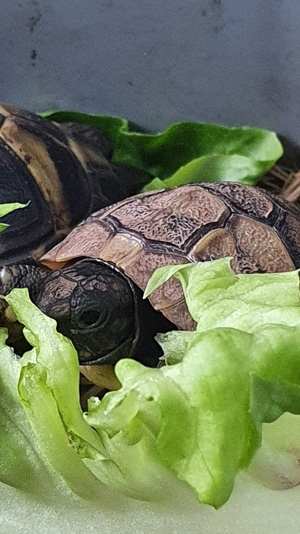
[{"x": 156, "y": 61}]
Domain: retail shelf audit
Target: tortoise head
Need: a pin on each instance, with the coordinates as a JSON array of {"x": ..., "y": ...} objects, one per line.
[{"x": 95, "y": 305}]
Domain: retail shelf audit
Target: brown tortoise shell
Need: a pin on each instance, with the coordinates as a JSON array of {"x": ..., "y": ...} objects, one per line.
[{"x": 195, "y": 222}]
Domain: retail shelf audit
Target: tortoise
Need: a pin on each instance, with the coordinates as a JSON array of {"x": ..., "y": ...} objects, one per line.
[
  {"x": 92, "y": 282},
  {"x": 66, "y": 173}
]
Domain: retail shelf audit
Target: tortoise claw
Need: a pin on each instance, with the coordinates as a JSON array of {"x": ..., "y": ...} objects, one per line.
[{"x": 12, "y": 276}]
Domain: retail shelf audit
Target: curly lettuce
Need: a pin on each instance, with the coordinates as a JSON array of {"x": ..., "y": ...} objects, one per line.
[{"x": 198, "y": 419}]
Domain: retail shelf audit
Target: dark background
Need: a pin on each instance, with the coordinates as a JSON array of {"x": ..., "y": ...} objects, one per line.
[{"x": 234, "y": 62}]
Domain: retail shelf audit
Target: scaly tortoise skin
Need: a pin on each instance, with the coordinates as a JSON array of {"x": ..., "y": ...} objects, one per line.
[
  {"x": 102, "y": 266},
  {"x": 65, "y": 173}
]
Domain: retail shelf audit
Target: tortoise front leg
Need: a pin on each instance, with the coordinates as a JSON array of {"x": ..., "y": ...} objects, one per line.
[
  {"x": 21, "y": 275},
  {"x": 12, "y": 276}
]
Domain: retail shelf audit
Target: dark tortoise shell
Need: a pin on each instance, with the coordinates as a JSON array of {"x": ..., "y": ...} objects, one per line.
[{"x": 66, "y": 173}]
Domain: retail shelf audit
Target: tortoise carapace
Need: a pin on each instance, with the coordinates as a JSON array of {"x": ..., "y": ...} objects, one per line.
[{"x": 102, "y": 267}]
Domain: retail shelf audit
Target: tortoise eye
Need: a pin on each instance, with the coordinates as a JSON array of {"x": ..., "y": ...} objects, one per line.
[{"x": 90, "y": 318}]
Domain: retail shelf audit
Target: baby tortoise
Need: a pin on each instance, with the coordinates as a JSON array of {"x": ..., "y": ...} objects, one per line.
[{"x": 92, "y": 282}]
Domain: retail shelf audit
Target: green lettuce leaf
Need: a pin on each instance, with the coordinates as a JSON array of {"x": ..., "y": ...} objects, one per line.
[
  {"x": 199, "y": 419},
  {"x": 47, "y": 383},
  {"x": 187, "y": 151},
  {"x": 193, "y": 438},
  {"x": 48, "y": 389},
  {"x": 216, "y": 296},
  {"x": 5, "y": 209}
]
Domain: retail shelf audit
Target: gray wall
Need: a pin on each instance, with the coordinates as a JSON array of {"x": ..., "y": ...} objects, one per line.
[{"x": 156, "y": 61}]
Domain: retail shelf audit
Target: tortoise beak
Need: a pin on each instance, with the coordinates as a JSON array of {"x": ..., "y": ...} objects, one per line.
[{"x": 125, "y": 350}]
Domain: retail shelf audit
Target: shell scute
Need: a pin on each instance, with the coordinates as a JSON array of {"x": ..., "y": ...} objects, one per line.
[
  {"x": 260, "y": 242},
  {"x": 216, "y": 244},
  {"x": 179, "y": 315},
  {"x": 250, "y": 200},
  {"x": 171, "y": 216},
  {"x": 85, "y": 240},
  {"x": 288, "y": 227},
  {"x": 142, "y": 266},
  {"x": 121, "y": 249}
]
